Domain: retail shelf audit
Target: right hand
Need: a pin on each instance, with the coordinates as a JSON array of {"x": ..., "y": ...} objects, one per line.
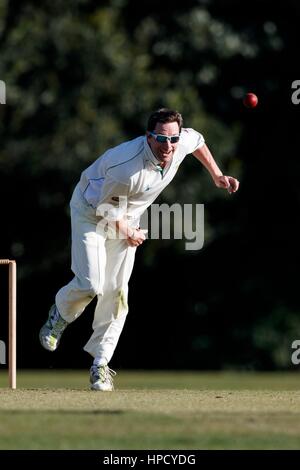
[
  {"x": 137, "y": 237},
  {"x": 227, "y": 182}
]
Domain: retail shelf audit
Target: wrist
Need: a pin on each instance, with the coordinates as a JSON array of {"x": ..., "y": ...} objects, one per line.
[
  {"x": 216, "y": 176},
  {"x": 132, "y": 234},
  {"x": 216, "y": 179}
]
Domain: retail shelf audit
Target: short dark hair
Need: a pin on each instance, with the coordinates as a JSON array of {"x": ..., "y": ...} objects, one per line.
[{"x": 164, "y": 115}]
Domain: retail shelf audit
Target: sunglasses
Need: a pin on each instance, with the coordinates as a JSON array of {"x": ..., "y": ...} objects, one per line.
[{"x": 162, "y": 139}]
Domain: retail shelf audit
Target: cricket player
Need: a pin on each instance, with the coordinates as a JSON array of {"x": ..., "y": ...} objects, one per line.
[{"x": 106, "y": 207}]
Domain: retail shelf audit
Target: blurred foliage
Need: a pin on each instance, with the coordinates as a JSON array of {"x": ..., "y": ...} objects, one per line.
[{"x": 83, "y": 76}]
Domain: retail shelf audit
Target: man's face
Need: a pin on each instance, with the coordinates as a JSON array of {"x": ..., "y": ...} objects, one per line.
[{"x": 164, "y": 151}]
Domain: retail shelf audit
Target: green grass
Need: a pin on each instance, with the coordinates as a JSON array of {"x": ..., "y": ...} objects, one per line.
[{"x": 151, "y": 410}]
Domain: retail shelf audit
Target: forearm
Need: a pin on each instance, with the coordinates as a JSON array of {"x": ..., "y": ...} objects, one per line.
[
  {"x": 204, "y": 155},
  {"x": 221, "y": 181}
]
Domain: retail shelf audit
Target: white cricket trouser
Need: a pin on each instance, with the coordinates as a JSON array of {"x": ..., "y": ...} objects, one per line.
[{"x": 102, "y": 266}]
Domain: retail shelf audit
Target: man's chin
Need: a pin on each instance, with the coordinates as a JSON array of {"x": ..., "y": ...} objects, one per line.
[{"x": 166, "y": 157}]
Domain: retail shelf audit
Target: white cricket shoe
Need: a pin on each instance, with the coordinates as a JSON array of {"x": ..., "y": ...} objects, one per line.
[
  {"x": 51, "y": 332},
  {"x": 101, "y": 378}
]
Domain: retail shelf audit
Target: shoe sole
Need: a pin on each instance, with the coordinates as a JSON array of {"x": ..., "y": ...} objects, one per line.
[{"x": 98, "y": 388}]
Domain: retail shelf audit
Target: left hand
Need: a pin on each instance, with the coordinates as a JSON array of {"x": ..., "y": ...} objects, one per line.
[{"x": 227, "y": 182}]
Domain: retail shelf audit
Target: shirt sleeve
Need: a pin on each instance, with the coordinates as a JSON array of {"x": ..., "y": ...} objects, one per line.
[
  {"x": 113, "y": 201},
  {"x": 191, "y": 140}
]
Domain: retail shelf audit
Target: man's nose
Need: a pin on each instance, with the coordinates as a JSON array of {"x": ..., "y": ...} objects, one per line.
[{"x": 167, "y": 145}]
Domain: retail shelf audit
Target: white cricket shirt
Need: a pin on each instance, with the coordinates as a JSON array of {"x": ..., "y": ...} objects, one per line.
[{"x": 126, "y": 179}]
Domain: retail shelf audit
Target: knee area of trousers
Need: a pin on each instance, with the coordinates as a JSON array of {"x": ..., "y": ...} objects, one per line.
[{"x": 93, "y": 289}]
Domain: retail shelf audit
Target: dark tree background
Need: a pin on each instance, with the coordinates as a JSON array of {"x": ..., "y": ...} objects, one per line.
[{"x": 82, "y": 76}]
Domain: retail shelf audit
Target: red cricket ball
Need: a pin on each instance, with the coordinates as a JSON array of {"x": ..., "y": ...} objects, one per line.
[{"x": 250, "y": 100}]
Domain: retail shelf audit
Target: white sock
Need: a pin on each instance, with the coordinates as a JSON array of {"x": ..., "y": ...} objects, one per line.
[{"x": 100, "y": 361}]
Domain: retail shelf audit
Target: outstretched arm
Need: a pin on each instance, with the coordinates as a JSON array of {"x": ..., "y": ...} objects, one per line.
[{"x": 204, "y": 155}]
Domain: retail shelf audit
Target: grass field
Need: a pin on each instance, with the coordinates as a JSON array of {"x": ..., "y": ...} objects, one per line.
[{"x": 151, "y": 410}]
